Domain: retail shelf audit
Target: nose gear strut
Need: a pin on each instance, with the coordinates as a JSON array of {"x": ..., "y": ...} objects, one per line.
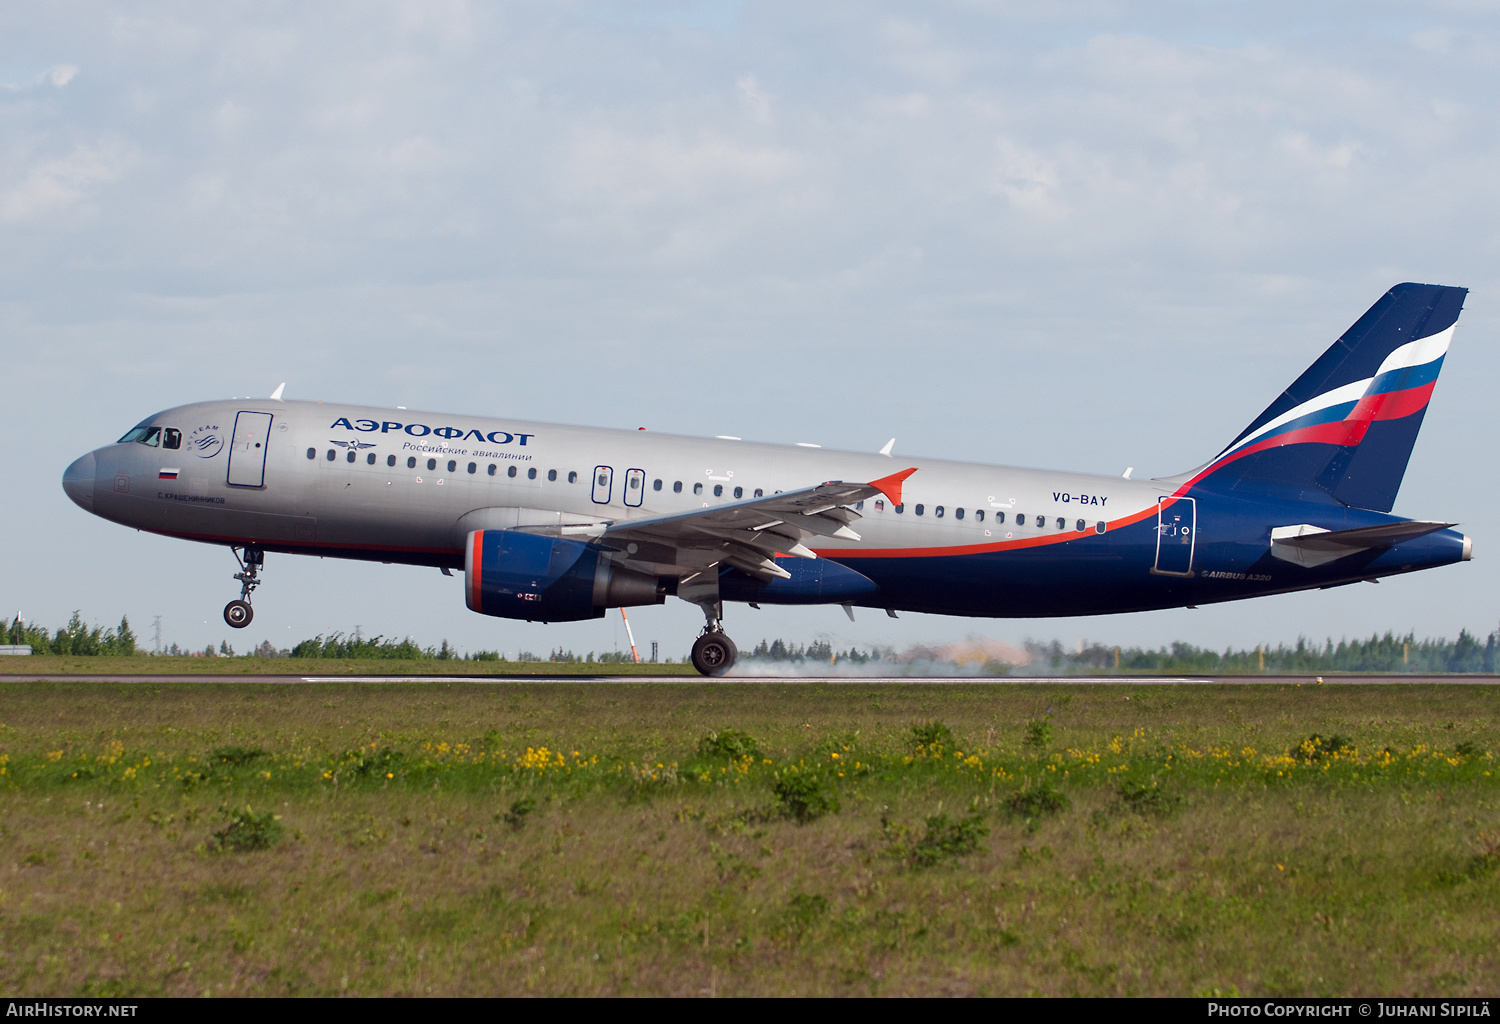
[{"x": 239, "y": 613}]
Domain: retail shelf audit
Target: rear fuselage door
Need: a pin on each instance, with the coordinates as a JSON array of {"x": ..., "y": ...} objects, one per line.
[
  {"x": 635, "y": 487},
  {"x": 247, "y": 449},
  {"x": 604, "y": 483},
  {"x": 1176, "y": 533}
]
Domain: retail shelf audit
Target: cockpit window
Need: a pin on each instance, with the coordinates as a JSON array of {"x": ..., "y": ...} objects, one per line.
[
  {"x": 171, "y": 437},
  {"x": 135, "y": 434},
  {"x": 151, "y": 436}
]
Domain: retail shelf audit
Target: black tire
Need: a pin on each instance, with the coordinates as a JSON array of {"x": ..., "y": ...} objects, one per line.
[
  {"x": 238, "y": 614},
  {"x": 714, "y": 654}
]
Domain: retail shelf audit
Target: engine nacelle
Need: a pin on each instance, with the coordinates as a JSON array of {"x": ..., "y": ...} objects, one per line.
[{"x": 519, "y": 575}]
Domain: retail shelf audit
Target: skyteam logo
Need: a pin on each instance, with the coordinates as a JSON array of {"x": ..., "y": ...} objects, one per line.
[
  {"x": 205, "y": 442},
  {"x": 423, "y": 430}
]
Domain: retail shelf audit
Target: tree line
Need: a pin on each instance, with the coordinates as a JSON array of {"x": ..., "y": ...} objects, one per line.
[{"x": 1384, "y": 653}]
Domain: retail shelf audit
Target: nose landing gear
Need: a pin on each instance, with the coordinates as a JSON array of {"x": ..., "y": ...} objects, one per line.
[
  {"x": 713, "y": 652},
  {"x": 239, "y": 613}
]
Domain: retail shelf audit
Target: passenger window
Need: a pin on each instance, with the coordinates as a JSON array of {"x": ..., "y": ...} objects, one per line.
[
  {"x": 759, "y": 493},
  {"x": 531, "y": 473},
  {"x": 676, "y": 486},
  {"x": 739, "y": 492},
  {"x": 634, "y": 482},
  {"x": 697, "y": 488},
  {"x": 492, "y": 469},
  {"x": 1062, "y": 524},
  {"x": 898, "y": 509},
  {"x": 656, "y": 485},
  {"x": 411, "y": 463},
  {"x": 572, "y": 478},
  {"x": 432, "y": 464},
  {"x": 510, "y": 471},
  {"x": 473, "y": 468},
  {"x": 370, "y": 458},
  {"x": 921, "y": 509},
  {"x": 1020, "y": 519},
  {"x": 1082, "y": 526},
  {"x": 938, "y": 511},
  {"x": 958, "y": 513},
  {"x": 879, "y": 505},
  {"x": 718, "y": 490},
  {"x": 1098, "y": 527},
  {"x": 390, "y": 460},
  {"x": 332, "y": 455},
  {"x": 551, "y": 476},
  {"x": 858, "y": 505},
  {"x": 171, "y": 437},
  {"x": 349, "y": 455},
  {"x": 312, "y": 453},
  {"x": 452, "y": 465},
  {"x": 979, "y": 515}
]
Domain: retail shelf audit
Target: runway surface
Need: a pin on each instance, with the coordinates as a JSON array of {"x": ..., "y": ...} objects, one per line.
[{"x": 850, "y": 680}]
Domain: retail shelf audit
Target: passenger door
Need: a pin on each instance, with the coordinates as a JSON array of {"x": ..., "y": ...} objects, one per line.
[
  {"x": 635, "y": 487},
  {"x": 604, "y": 482},
  {"x": 1176, "y": 533},
  {"x": 247, "y": 449}
]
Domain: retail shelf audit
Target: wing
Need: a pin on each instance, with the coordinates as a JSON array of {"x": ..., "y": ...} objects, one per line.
[{"x": 745, "y": 534}]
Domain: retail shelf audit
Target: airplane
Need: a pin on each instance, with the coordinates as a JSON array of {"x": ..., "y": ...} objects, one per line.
[{"x": 554, "y": 523}]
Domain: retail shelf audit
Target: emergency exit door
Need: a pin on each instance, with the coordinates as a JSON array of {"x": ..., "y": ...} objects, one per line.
[
  {"x": 247, "y": 449},
  {"x": 604, "y": 484},
  {"x": 635, "y": 487},
  {"x": 1176, "y": 533}
]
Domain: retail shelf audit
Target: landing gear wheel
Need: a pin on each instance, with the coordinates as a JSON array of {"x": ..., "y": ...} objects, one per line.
[
  {"x": 238, "y": 614},
  {"x": 714, "y": 654}
]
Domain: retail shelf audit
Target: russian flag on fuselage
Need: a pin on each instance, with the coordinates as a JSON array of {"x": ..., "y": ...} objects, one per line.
[{"x": 1344, "y": 430}]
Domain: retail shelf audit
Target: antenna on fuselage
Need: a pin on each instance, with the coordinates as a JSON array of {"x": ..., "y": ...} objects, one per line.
[{"x": 276, "y": 395}]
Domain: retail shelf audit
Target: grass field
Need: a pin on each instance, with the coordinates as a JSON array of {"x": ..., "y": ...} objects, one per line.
[{"x": 748, "y": 839}]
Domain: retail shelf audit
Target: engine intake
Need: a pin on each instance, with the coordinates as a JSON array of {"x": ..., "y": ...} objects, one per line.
[{"x": 517, "y": 575}]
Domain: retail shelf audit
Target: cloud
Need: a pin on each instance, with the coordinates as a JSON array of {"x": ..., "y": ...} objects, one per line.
[
  {"x": 57, "y": 76},
  {"x": 46, "y": 187}
]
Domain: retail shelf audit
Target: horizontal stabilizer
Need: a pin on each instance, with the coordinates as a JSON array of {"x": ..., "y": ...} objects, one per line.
[{"x": 1310, "y": 546}]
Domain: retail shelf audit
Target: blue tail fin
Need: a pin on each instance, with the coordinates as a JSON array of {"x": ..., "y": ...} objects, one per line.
[{"x": 1343, "y": 432}]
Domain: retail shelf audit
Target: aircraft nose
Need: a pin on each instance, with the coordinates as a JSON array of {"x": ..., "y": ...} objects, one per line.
[{"x": 78, "y": 481}]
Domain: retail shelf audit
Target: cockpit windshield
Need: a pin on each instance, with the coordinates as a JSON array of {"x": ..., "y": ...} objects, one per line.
[
  {"x": 144, "y": 434},
  {"x": 156, "y": 437}
]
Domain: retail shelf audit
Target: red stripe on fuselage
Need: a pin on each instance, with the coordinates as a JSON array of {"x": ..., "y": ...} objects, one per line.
[{"x": 838, "y": 554}]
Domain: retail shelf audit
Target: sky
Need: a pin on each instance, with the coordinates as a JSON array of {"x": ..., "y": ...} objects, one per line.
[{"x": 1077, "y": 235}]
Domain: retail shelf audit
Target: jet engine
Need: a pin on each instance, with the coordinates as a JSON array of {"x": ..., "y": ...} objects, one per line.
[{"x": 518, "y": 575}]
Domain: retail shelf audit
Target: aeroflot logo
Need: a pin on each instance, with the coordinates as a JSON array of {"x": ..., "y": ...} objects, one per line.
[{"x": 422, "y": 430}]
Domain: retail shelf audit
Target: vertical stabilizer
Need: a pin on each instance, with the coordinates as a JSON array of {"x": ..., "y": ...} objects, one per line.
[{"x": 1344, "y": 430}]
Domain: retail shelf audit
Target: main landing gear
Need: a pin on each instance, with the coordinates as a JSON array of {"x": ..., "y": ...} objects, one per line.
[
  {"x": 239, "y": 613},
  {"x": 713, "y": 652}
]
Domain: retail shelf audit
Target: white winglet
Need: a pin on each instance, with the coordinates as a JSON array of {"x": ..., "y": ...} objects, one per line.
[
  {"x": 1128, "y": 470},
  {"x": 886, "y": 451},
  {"x": 276, "y": 395}
]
